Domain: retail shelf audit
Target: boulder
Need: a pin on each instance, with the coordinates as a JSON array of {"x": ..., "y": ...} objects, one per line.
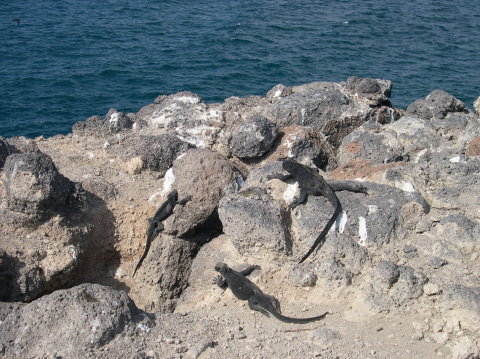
[
  {"x": 67, "y": 322},
  {"x": 303, "y": 275},
  {"x": 394, "y": 286},
  {"x": 409, "y": 285},
  {"x": 278, "y": 91},
  {"x": 185, "y": 112},
  {"x": 34, "y": 186},
  {"x": 62, "y": 227},
  {"x": 476, "y": 106},
  {"x": 382, "y": 216},
  {"x": 205, "y": 176},
  {"x": 457, "y": 228},
  {"x": 155, "y": 153},
  {"x": 435, "y": 106},
  {"x": 164, "y": 273},
  {"x": 376, "y": 90},
  {"x": 252, "y": 137},
  {"x": 370, "y": 141},
  {"x": 92, "y": 126},
  {"x": 449, "y": 181},
  {"x": 306, "y": 145},
  {"x": 336, "y": 109},
  {"x": 254, "y": 222},
  {"x": 64, "y": 250},
  {"x": 311, "y": 105},
  {"x": 386, "y": 274},
  {"x": 463, "y": 303},
  {"x": 21, "y": 144},
  {"x": 117, "y": 121},
  {"x": 4, "y": 151},
  {"x": 112, "y": 122}
]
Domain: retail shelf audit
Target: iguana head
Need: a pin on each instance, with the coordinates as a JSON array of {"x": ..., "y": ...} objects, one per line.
[
  {"x": 172, "y": 195},
  {"x": 289, "y": 165},
  {"x": 222, "y": 268}
]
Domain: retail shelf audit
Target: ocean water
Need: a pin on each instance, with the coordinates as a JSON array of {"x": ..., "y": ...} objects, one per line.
[{"x": 70, "y": 59}]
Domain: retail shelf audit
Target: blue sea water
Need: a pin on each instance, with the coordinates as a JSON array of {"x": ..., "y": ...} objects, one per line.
[{"x": 67, "y": 60}]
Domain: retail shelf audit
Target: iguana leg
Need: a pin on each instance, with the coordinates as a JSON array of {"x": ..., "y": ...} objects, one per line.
[
  {"x": 253, "y": 305},
  {"x": 185, "y": 200},
  {"x": 249, "y": 270},
  {"x": 348, "y": 186},
  {"x": 302, "y": 197},
  {"x": 221, "y": 282},
  {"x": 279, "y": 176}
]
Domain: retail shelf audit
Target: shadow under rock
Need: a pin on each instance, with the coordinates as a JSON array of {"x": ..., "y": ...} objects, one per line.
[
  {"x": 9, "y": 272},
  {"x": 100, "y": 258},
  {"x": 205, "y": 231}
]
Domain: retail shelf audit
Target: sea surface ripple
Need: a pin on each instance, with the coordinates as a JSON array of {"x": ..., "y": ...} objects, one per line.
[{"x": 67, "y": 60}]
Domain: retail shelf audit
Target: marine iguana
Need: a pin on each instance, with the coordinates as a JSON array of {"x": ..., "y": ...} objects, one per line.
[
  {"x": 156, "y": 225},
  {"x": 311, "y": 183},
  {"x": 244, "y": 289}
]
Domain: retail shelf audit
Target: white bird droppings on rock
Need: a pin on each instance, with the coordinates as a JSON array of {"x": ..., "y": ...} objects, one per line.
[
  {"x": 406, "y": 186},
  {"x": 291, "y": 191},
  {"x": 372, "y": 209},
  {"x": 341, "y": 221},
  {"x": 114, "y": 119},
  {"x": 168, "y": 181},
  {"x": 362, "y": 231},
  {"x": 73, "y": 252}
]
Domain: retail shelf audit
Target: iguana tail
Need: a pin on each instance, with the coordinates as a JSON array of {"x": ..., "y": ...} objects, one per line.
[
  {"x": 321, "y": 237},
  {"x": 285, "y": 319},
  {"x": 261, "y": 303}
]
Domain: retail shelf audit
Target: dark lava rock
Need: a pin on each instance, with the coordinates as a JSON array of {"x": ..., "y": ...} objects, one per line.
[
  {"x": 91, "y": 126},
  {"x": 117, "y": 121},
  {"x": 387, "y": 273},
  {"x": 253, "y": 137},
  {"x": 435, "y": 106},
  {"x": 303, "y": 275},
  {"x": 33, "y": 184},
  {"x": 463, "y": 297},
  {"x": 253, "y": 220},
  {"x": 410, "y": 251},
  {"x": 67, "y": 322},
  {"x": 4, "y": 151},
  {"x": 409, "y": 285},
  {"x": 205, "y": 176},
  {"x": 156, "y": 153},
  {"x": 164, "y": 274},
  {"x": 113, "y": 121},
  {"x": 279, "y": 90},
  {"x": 373, "y": 89},
  {"x": 436, "y": 262},
  {"x": 312, "y": 105}
]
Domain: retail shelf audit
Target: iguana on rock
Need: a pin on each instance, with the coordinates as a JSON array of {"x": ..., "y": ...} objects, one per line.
[
  {"x": 156, "y": 225},
  {"x": 244, "y": 289},
  {"x": 311, "y": 183}
]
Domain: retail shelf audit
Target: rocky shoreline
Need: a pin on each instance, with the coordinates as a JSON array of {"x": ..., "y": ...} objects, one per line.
[{"x": 400, "y": 270}]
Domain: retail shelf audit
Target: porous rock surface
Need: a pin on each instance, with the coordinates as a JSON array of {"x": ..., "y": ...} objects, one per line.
[
  {"x": 399, "y": 266},
  {"x": 33, "y": 184},
  {"x": 67, "y": 322},
  {"x": 252, "y": 137}
]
